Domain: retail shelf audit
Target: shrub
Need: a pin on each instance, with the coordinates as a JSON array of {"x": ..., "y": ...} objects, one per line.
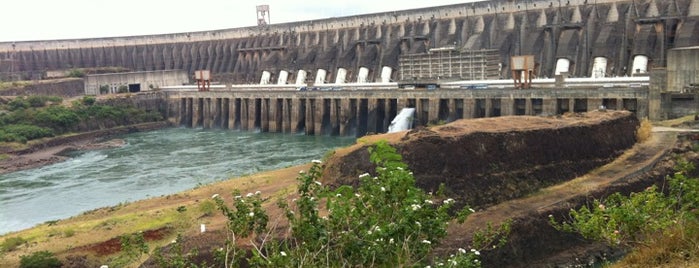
[
  {"x": 18, "y": 103},
  {"x": 123, "y": 89},
  {"x": 25, "y": 132},
  {"x": 104, "y": 89},
  {"x": 76, "y": 73},
  {"x": 12, "y": 243},
  {"x": 43, "y": 259},
  {"x": 89, "y": 100},
  {"x": 385, "y": 222}
]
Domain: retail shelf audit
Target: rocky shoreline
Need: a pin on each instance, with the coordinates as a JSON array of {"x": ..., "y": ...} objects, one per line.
[{"x": 53, "y": 150}]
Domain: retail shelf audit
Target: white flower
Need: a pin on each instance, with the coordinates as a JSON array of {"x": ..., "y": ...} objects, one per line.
[
  {"x": 426, "y": 242},
  {"x": 391, "y": 241},
  {"x": 282, "y": 253},
  {"x": 248, "y": 195},
  {"x": 383, "y": 189},
  {"x": 251, "y": 214},
  {"x": 357, "y": 195},
  {"x": 316, "y": 161},
  {"x": 429, "y": 201},
  {"x": 470, "y": 209},
  {"x": 338, "y": 195},
  {"x": 463, "y": 251},
  {"x": 237, "y": 197},
  {"x": 258, "y": 192},
  {"x": 317, "y": 182},
  {"x": 214, "y": 196},
  {"x": 475, "y": 252},
  {"x": 415, "y": 206},
  {"x": 301, "y": 171},
  {"x": 418, "y": 223},
  {"x": 449, "y": 201},
  {"x": 363, "y": 175},
  {"x": 399, "y": 168}
]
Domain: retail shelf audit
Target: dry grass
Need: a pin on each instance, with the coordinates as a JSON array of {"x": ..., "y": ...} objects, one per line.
[
  {"x": 677, "y": 247},
  {"x": 644, "y": 130}
]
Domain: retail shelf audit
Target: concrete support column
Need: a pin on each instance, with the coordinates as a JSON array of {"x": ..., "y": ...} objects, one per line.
[
  {"x": 345, "y": 116},
  {"x": 252, "y": 107},
  {"x": 469, "y": 108},
  {"x": 528, "y": 107},
  {"x": 264, "y": 113},
  {"x": 187, "y": 113},
  {"x": 488, "y": 107},
  {"x": 196, "y": 112},
  {"x": 507, "y": 106},
  {"x": 571, "y": 105},
  {"x": 433, "y": 112},
  {"x": 620, "y": 104},
  {"x": 319, "y": 111},
  {"x": 244, "y": 114},
  {"x": 217, "y": 112},
  {"x": 232, "y": 113},
  {"x": 549, "y": 106},
  {"x": 452, "y": 109},
  {"x": 310, "y": 125},
  {"x": 295, "y": 111},
  {"x": 372, "y": 105},
  {"x": 274, "y": 115},
  {"x": 224, "y": 113},
  {"x": 593, "y": 104},
  {"x": 400, "y": 104},
  {"x": 334, "y": 115},
  {"x": 206, "y": 113},
  {"x": 286, "y": 115}
]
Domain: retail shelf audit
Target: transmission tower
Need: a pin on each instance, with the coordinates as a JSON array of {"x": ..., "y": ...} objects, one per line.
[{"x": 263, "y": 15}]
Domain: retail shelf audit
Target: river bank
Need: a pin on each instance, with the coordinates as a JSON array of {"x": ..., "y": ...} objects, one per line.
[{"x": 49, "y": 151}]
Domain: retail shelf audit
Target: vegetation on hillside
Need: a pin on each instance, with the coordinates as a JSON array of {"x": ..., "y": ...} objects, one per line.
[
  {"x": 28, "y": 118},
  {"x": 658, "y": 226},
  {"x": 386, "y": 221}
]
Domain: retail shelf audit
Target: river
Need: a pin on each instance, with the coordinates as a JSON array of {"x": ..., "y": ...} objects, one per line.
[{"x": 151, "y": 164}]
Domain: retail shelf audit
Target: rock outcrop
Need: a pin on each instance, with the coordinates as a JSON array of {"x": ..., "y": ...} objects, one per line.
[{"x": 486, "y": 161}]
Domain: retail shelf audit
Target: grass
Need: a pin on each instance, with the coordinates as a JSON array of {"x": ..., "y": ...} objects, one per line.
[
  {"x": 675, "y": 122},
  {"x": 677, "y": 247}
]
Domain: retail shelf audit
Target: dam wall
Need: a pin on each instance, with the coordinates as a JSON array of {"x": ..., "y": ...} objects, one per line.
[
  {"x": 357, "y": 113},
  {"x": 581, "y": 37}
]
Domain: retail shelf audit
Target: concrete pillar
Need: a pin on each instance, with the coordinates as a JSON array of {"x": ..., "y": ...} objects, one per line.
[
  {"x": 593, "y": 104},
  {"x": 217, "y": 112},
  {"x": 206, "y": 113},
  {"x": 658, "y": 81},
  {"x": 264, "y": 113},
  {"x": 469, "y": 108},
  {"x": 549, "y": 106},
  {"x": 372, "y": 105},
  {"x": 196, "y": 112},
  {"x": 244, "y": 114},
  {"x": 571, "y": 105},
  {"x": 345, "y": 116},
  {"x": 528, "y": 107},
  {"x": 433, "y": 112},
  {"x": 620, "y": 104},
  {"x": 488, "y": 107},
  {"x": 295, "y": 112},
  {"x": 319, "y": 111},
  {"x": 274, "y": 115},
  {"x": 334, "y": 115},
  {"x": 187, "y": 113},
  {"x": 286, "y": 116},
  {"x": 252, "y": 108},
  {"x": 400, "y": 104},
  {"x": 507, "y": 106},
  {"x": 310, "y": 125},
  {"x": 232, "y": 113},
  {"x": 452, "y": 109}
]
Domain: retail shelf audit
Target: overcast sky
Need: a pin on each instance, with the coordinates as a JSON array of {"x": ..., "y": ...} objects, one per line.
[{"x": 23, "y": 20}]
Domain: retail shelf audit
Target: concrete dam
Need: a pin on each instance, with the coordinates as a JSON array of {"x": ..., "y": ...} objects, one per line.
[{"x": 584, "y": 38}]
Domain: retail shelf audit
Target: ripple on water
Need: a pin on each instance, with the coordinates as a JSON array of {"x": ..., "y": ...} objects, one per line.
[{"x": 150, "y": 164}]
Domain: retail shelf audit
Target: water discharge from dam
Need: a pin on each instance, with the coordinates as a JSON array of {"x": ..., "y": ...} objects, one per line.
[{"x": 151, "y": 164}]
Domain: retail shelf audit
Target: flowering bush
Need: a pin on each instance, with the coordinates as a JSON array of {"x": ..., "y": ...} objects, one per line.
[{"x": 385, "y": 222}]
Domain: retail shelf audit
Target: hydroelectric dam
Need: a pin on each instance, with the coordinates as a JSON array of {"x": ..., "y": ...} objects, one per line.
[{"x": 638, "y": 55}]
